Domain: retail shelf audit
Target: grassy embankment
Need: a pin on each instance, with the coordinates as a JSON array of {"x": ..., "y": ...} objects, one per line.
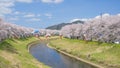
[
  {"x": 14, "y": 54},
  {"x": 107, "y": 55}
]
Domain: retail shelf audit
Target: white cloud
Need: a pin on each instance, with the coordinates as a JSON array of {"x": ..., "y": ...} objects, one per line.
[
  {"x": 58, "y": 1},
  {"x": 13, "y": 19},
  {"x": 34, "y": 20},
  {"x": 5, "y": 11},
  {"x": 52, "y": 1},
  {"x": 38, "y": 15},
  {"x": 74, "y": 20},
  {"x": 106, "y": 15},
  {"x": 97, "y": 17},
  {"x": 103, "y": 15},
  {"x": 16, "y": 12},
  {"x": 118, "y": 14},
  {"x": 83, "y": 19},
  {"x": 49, "y": 15},
  {"x": 29, "y": 15},
  {"x": 7, "y": 0},
  {"x": 7, "y": 5},
  {"x": 25, "y": 1}
]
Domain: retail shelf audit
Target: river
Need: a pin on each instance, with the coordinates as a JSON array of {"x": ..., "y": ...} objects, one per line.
[{"x": 55, "y": 59}]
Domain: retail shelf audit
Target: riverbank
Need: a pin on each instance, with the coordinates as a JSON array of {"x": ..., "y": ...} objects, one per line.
[
  {"x": 14, "y": 54},
  {"x": 75, "y": 57},
  {"x": 104, "y": 54}
]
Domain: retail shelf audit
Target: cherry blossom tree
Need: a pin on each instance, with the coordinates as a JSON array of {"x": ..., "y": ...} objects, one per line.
[
  {"x": 8, "y": 30},
  {"x": 104, "y": 28}
]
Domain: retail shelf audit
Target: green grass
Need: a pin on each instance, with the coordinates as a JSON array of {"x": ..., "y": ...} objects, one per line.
[
  {"x": 14, "y": 54},
  {"x": 4, "y": 63},
  {"x": 105, "y": 54}
]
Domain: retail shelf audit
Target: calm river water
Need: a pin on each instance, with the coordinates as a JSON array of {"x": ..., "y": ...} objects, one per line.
[{"x": 55, "y": 59}]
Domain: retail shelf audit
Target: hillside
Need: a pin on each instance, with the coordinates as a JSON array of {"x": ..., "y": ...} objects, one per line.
[
  {"x": 14, "y": 54},
  {"x": 59, "y": 26},
  {"x": 104, "y": 54}
]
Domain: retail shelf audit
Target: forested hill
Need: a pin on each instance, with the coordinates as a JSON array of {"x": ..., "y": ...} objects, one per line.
[{"x": 59, "y": 26}]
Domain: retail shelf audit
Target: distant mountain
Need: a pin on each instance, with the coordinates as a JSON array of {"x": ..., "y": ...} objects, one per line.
[{"x": 59, "y": 26}]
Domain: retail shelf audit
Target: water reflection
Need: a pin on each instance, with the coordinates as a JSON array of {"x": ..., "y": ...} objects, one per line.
[{"x": 54, "y": 59}]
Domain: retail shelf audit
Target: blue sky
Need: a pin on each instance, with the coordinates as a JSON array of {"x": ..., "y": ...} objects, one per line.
[{"x": 43, "y": 13}]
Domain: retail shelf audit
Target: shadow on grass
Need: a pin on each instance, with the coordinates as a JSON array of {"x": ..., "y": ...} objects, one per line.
[
  {"x": 99, "y": 43},
  {"x": 23, "y": 39},
  {"x": 13, "y": 40},
  {"x": 8, "y": 47}
]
